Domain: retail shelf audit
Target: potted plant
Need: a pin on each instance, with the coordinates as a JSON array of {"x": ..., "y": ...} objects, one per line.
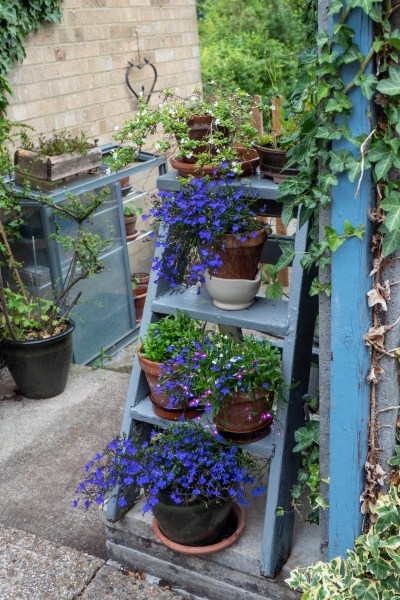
[
  {"x": 206, "y": 133},
  {"x": 211, "y": 235},
  {"x": 140, "y": 284},
  {"x": 55, "y": 158},
  {"x": 130, "y": 218},
  {"x": 190, "y": 481},
  {"x": 161, "y": 342},
  {"x": 236, "y": 382},
  {"x": 273, "y": 146},
  {"x": 36, "y": 341}
]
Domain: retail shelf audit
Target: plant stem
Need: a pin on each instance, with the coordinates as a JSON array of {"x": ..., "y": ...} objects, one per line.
[
  {"x": 3, "y": 304},
  {"x": 12, "y": 263},
  {"x": 361, "y": 70}
]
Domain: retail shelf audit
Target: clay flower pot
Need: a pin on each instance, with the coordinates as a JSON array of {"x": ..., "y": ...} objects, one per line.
[
  {"x": 187, "y": 168},
  {"x": 240, "y": 259},
  {"x": 160, "y": 400},
  {"x": 130, "y": 225},
  {"x": 272, "y": 164},
  {"x": 244, "y": 418}
]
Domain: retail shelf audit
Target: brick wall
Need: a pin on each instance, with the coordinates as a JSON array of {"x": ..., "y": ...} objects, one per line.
[{"x": 73, "y": 75}]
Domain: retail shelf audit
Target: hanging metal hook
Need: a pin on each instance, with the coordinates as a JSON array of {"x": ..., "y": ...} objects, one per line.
[{"x": 146, "y": 62}]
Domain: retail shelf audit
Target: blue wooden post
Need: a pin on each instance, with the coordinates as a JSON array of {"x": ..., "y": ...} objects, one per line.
[{"x": 350, "y": 319}]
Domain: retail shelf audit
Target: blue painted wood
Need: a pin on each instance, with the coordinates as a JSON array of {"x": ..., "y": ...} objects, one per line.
[{"x": 350, "y": 319}]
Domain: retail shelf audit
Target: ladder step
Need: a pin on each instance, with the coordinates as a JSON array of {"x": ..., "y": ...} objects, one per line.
[
  {"x": 143, "y": 411},
  {"x": 266, "y": 316}
]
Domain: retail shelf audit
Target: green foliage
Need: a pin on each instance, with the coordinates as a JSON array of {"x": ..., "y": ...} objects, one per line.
[
  {"x": 322, "y": 100},
  {"x": 23, "y": 316},
  {"x": 370, "y": 571},
  {"x": 259, "y": 54},
  {"x": 230, "y": 126},
  {"x": 59, "y": 143},
  {"x": 167, "y": 332},
  {"x": 308, "y": 477},
  {"x": 130, "y": 210},
  {"x": 18, "y": 18}
]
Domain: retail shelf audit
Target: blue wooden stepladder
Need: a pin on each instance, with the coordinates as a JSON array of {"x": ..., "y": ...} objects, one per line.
[{"x": 290, "y": 324}]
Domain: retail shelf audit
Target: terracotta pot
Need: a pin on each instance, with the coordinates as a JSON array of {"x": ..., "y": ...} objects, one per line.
[
  {"x": 160, "y": 400},
  {"x": 236, "y": 523},
  {"x": 200, "y": 128},
  {"x": 141, "y": 278},
  {"x": 139, "y": 300},
  {"x": 198, "y": 523},
  {"x": 272, "y": 164},
  {"x": 240, "y": 259},
  {"x": 243, "y": 417},
  {"x": 130, "y": 223},
  {"x": 249, "y": 162}
]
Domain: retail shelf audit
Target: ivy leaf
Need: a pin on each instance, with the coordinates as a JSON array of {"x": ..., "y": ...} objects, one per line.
[
  {"x": 353, "y": 53},
  {"x": 391, "y": 85},
  {"x": 379, "y": 567},
  {"x": 367, "y": 84},
  {"x": 306, "y": 436},
  {"x": 287, "y": 256},
  {"x": 391, "y": 205},
  {"x": 338, "y": 103},
  {"x": 365, "y": 5},
  {"x": 335, "y": 7},
  {"x": 287, "y": 212},
  {"x": 388, "y": 516},
  {"x": 323, "y": 91},
  {"x": 334, "y": 241},
  {"x": 365, "y": 590},
  {"x": 394, "y": 38},
  {"x": 394, "y": 462},
  {"x": 329, "y": 131},
  {"x": 274, "y": 290},
  {"x": 339, "y": 160},
  {"x": 376, "y": 13},
  {"x": 390, "y": 242}
]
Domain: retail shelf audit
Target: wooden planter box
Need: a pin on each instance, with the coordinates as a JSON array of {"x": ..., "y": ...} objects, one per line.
[{"x": 51, "y": 169}]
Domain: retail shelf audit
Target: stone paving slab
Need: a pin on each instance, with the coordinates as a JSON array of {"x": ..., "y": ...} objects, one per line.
[{"x": 34, "y": 569}]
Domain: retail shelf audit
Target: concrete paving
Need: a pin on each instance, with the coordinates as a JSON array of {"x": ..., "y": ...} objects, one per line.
[{"x": 48, "y": 549}]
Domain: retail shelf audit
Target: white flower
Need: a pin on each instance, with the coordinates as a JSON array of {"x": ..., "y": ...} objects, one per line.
[
  {"x": 217, "y": 121},
  {"x": 189, "y": 155},
  {"x": 116, "y": 128}
]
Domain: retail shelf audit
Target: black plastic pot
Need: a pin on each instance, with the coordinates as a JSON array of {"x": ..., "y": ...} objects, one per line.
[
  {"x": 272, "y": 164},
  {"x": 196, "y": 524},
  {"x": 40, "y": 368}
]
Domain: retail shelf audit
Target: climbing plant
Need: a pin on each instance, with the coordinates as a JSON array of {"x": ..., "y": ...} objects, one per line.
[
  {"x": 17, "y": 19},
  {"x": 324, "y": 100}
]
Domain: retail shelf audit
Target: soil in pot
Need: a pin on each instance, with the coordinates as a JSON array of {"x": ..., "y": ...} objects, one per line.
[
  {"x": 40, "y": 368},
  {"x": 160, "y": 400},
  {"x": 243, "y": 418},
  {"x": 240, "y": 259},
  {"x": 233, "y": 529},
  {"x": 198, "y": 523},
  {"x": 272, "y": 164}
]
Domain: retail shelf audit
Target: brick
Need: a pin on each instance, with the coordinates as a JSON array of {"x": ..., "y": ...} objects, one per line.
[
  {"x": 80, "y": 99},
  {"x": 164, "y": 55},
  {"x": 103, "y": 63},
  {"x": 33, "y": 91},
  {"x": 69, "y": 119},
  {"x": 50, "y": 106},
  {"x": 121, "y": 31}
]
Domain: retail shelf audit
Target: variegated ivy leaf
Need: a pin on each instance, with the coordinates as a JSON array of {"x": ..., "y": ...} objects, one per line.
[
  {"x": 391, "y": 85},
  {"x": 390, "y": 242},
  {"x": 335, "y": 7},
  {"x": 391, "y": 205}
]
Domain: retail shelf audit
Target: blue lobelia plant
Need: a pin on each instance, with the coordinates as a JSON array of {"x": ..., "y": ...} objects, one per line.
[
  {"x": 187, "y": 461},
  {"x": 196, "y": 219}
]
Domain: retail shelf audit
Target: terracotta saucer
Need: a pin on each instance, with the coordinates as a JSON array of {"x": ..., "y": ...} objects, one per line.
[
  {"x": 233, "y": 530},
  {"x": 133, "y": 236}
]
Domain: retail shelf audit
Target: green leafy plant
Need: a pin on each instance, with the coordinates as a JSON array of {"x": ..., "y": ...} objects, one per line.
[
  {"x": 162, "y": 337},
  {"x": 371, "y": 570},
  {"x": 308, "y": 476},
  {"x": 22, "y": 315},
  {"x": 130, "y": 210},
  {"x": 230, "y": 115},
  {"x": 17, "y": 19},
  {"x": 62, "y": 142},
  {"x": 286, "y": 137}
]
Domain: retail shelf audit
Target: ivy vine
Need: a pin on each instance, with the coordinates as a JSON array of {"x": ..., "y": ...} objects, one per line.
[
  {"x": 18, "y": 18},
  {"x": 323, "y": 100}
]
